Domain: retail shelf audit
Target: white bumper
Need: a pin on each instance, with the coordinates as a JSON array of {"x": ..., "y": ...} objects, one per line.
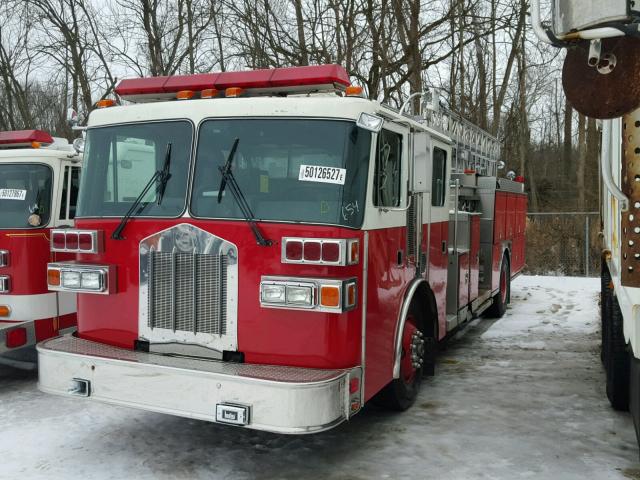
[{"x": 279, "y": 399}]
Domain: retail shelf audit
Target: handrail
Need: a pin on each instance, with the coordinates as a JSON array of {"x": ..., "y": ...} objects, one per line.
[
  {"x": 590, "y": 34},
  {"x": 605, "y": 167}
]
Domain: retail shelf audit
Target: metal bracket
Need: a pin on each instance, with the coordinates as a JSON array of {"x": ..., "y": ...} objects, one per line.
[{"x": 595, "y": 51}]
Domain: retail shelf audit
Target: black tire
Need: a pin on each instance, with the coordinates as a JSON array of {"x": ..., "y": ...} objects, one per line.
[
  {"x": 617, "y": 360},
  {"x": 399, "y": 394},
  {"x": 501, "y": 299},
  {"x": 606, "y": 297}
]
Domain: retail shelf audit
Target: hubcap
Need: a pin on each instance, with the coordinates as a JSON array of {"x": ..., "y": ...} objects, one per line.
[{"x": 412, "y": 350}]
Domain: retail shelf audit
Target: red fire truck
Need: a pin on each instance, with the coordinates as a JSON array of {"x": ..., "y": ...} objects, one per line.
[
  {"x": 39, "y": 180},
  {"x": 270, "y": 249}
]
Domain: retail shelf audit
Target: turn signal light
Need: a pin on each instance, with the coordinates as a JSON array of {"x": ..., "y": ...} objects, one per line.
[
  {"x": 329, "y": 296},
  {"x": 36, "y": 144},
  {"x": 5, "y": 311},
  {"x": 16, "y": 337},
  {"x": 53, "y": 277}
]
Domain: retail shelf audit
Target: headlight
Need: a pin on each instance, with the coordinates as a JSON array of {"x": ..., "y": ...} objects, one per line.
[
  {"x": 300, "y": 295},
  {"x": 91, "y": 280},
  {"x": 81, "y": 278},
  {"x": 273, "y": 293},
  {"x": 70, "y": 279}
]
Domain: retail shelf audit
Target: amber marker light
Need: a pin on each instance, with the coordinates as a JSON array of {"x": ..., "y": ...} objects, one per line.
[
  {"x": 36, "y": 144},
  {"x": 105, "y": 103},
  {"x": 330, "y": 296},
  {"x": 5, "y": 311},
  {"x": 184, "y": 95},
  {"x": 209, "y": 93},
  {"x": 233, "y": 92},
  {"x": 354, "y": 91},
  {"x": 53, "y": 277},
  {"x": 351, "y": 295}
]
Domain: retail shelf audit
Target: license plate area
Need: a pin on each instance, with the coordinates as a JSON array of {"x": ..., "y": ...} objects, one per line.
[{"x": 232, "y": 414}]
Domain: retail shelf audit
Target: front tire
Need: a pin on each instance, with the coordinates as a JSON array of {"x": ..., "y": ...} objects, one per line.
[
  {"x": 501, "y": 299},
  {"x": 401, "y": 392}
]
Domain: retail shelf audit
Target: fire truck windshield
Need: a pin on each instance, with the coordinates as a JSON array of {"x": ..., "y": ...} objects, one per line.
[
  {"x": 120, "y": 160},
  {"x": 300, "y": 170},
  {"x": 25, "y": 189}
]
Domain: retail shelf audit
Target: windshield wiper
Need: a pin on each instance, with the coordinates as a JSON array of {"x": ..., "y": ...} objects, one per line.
[
  {"x": 228, "y": 178},
  {"x": 160, "y": 176}
]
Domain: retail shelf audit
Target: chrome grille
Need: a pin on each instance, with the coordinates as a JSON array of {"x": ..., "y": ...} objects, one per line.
[{"x": 187, "y": 292}]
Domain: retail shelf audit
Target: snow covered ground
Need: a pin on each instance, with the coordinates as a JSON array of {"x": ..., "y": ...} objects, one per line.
[{"x": 521, "y": 397}]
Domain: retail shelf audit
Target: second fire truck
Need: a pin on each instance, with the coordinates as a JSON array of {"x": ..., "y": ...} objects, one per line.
[
  {"x": 39, "y": 182},
  {"x": 272, "y": 250}
]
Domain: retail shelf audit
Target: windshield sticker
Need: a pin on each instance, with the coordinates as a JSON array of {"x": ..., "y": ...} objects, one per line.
[
  {"x": 313, "y": 173},
  {"x": 12, "y": 194},
  {"x": 264, "y": 183}
]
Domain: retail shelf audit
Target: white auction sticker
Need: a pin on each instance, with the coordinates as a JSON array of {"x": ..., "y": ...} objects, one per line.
[
  {"x": 314, "y": 173},
  {"x": 12, "y": 194}
]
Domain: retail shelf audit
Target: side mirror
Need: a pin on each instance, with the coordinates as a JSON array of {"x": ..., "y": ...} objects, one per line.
[
  {"x": 421, "y": 167},
  {"x": 501, "y": 165},
  {"x": 511, "y": 175}
]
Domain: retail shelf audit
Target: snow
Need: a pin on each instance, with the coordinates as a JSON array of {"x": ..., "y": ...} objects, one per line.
[{"x": 519, "y": 397}]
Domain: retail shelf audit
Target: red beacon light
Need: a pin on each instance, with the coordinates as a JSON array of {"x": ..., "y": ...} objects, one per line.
[
  {"x": 292, "y": 80},
  {"x": 25, "y": 138}
]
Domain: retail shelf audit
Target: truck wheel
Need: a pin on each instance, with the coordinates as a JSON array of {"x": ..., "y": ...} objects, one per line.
[
  {"x": 401, "y": 392},
  {"x": 606, "y": 296},
  {"x": 500, "y": 300},
  {"x": 617, "y": 360}
]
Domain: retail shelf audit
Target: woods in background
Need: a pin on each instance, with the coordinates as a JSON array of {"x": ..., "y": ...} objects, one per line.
[{"x": 56, "y": 54}]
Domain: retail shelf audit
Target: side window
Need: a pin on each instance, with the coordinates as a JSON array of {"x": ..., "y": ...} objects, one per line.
[
  {"x": 63, "y": 197},
  {"x": 387, "y": 175},
  {"x": 74, "y": 187},
  {"x": 439, "y": 177}
]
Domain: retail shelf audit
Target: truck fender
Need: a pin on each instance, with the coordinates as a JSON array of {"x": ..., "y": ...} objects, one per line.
[{"x": 428, "y": 304}]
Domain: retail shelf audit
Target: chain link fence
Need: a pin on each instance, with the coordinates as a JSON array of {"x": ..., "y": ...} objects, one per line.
[{"x": 563, "y": 243}]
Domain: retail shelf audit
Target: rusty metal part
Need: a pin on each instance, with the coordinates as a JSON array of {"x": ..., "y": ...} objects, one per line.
[
  {"x": 609, "y": 89},
  {"x": 630, "y": 237}
]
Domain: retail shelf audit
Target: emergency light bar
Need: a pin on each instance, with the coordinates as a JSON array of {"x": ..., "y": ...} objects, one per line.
[
  {"x": 24, "y": 138},
  {"x": 314, "y": 78}
]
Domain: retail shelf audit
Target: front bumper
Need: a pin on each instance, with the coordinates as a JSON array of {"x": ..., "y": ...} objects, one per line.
[{"x": 280, "y": 399}]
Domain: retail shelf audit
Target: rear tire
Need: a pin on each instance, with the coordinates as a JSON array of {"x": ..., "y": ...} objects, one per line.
[
  {"x": 501, "y": 299},
  {"x": 606, "y": 298},
  {"x": 401, "y": 392},
  {"x": 616, "y": 360}
]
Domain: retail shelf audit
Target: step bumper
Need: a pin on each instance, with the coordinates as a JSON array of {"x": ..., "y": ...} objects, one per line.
[{"x": 272, "y": 398}]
